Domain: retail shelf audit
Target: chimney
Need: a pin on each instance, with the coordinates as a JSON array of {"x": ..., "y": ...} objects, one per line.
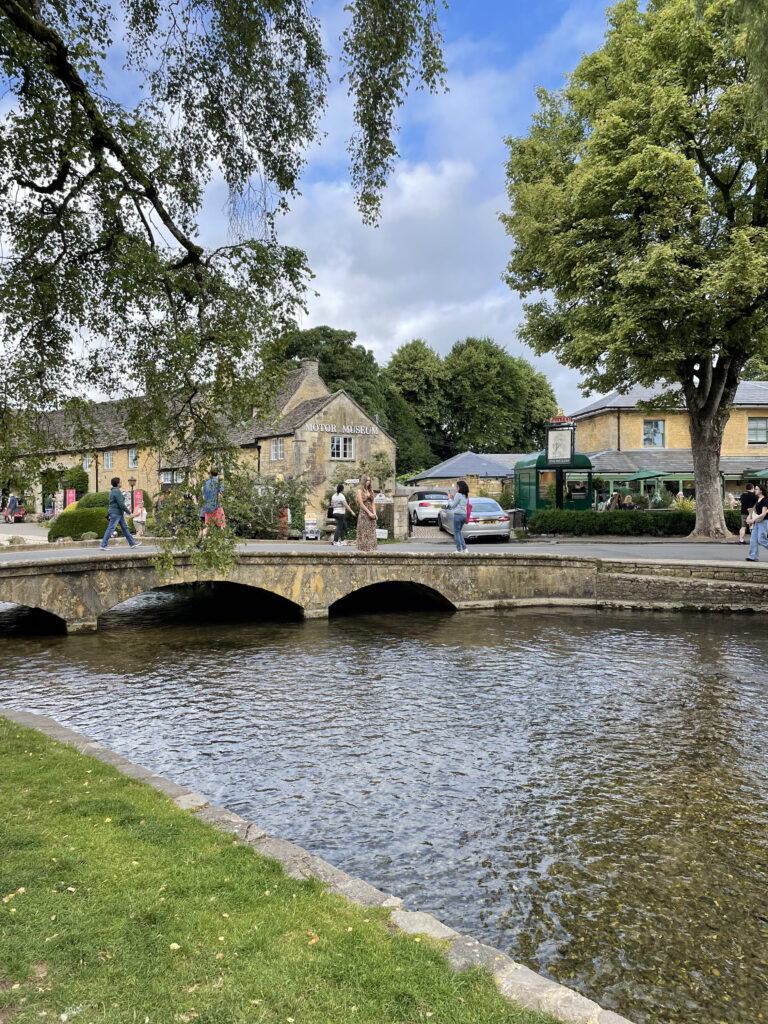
[{"x": 310, "y": 367}]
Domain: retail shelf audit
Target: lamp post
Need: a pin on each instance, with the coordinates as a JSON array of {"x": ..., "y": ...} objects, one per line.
[{"x": 132, "y": 484}]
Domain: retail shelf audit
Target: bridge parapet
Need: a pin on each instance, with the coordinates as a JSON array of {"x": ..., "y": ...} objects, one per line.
[{"x": 80, "y": 590}]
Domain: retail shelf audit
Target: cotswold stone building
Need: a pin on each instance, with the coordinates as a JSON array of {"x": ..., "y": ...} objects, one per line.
[
  {"x": 311, "y": 432},
  {"x": 621, "y": 439}
]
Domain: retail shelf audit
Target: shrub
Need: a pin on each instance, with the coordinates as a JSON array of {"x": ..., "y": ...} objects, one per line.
[
  {"x": 98, "y": 499},
  {"x": 507, "y": 498},
  {"x": 74, "y": 522},
  {"x": 621, "y": 524}
]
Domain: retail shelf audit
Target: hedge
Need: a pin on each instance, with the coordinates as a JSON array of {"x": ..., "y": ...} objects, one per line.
[
  {"x": 622, "y": 524},
  {"x": 77, "y": 521},
  {"x": 97, "y": 499}
]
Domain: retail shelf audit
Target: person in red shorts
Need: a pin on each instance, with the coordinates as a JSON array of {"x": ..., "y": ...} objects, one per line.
[{"x": 212, "y": 510}]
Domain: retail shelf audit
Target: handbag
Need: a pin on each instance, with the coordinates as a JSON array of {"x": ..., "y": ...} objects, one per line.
[{"x": 330, "y": 512}]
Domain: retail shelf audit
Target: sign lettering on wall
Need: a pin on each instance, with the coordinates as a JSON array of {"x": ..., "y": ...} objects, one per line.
[{"x": 331, "y": 428}]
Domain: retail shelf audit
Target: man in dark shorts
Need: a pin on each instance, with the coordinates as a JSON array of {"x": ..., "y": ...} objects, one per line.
[{"x": 748, "y": 501}]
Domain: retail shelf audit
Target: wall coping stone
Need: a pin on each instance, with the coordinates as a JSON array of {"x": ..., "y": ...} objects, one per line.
[{"x": 515, "y": 981}]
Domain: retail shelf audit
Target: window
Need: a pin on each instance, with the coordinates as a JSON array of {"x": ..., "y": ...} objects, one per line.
[
  {"x": 166, "y": 477},
  {"x": 87, "y": 463},
  {"x": 757, "y": 431},
  {"x": 342, "y": 447},
  {"x": 109, "y": 458},
  {"x": 653, "y": 433},
  {"x": 133, "y": 458},
  {"x": 277, "y": 449}
]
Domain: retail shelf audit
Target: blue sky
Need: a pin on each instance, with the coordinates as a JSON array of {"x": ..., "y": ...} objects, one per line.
[{"x": 432, "y": 268}]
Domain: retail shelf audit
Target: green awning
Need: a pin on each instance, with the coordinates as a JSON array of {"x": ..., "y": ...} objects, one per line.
[
  {"x": 645, "y": 474},
  {"x": 758, "y": 474}
]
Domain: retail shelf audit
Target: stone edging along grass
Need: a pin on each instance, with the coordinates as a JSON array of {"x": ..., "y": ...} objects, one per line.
[{"x": 513, "y": 980}]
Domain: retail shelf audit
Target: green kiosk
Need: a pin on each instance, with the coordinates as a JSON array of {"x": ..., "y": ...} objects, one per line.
[{"x": 559, "y": 468}]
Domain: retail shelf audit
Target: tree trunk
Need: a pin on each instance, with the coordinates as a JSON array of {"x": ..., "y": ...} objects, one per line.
[{"x": 706, "y": 443}]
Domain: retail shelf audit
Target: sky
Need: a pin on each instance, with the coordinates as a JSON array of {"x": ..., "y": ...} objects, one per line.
[{"x": 432, "y": 268}]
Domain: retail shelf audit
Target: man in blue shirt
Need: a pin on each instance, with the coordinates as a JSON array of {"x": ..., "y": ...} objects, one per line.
[
  {"x": 116, "y": 512},
  {"x": 211, "y": 508}
]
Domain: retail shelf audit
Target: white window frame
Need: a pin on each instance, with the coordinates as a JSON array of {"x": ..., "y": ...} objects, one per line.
[
  {"x": 277, "y": 449},
  {"x": 757, "y": 419},
  {"x": 166, "y": 476},
  {"x": 133, "y": 458},
  {"x": 663, "y": 444},
  {"x": 87, "y": 461},
  {"x": 342, "y": 448},
  {"x": 179, "y": 476},
  {"x": 108, "y": 460}
]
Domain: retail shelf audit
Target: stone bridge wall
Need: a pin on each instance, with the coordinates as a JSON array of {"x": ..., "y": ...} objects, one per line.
[{"x": 80, "y": 590}]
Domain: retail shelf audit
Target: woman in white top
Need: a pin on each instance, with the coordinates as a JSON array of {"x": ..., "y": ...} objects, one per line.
[
  {"x": 340, "y": 508},
  {"x": 459, "y": 505},
  {"x": 140, "y": 518}
]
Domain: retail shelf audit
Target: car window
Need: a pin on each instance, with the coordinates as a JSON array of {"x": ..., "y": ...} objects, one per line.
[
  {"x": 484, "y": 505},
  {"x": 436, "y": 496}
]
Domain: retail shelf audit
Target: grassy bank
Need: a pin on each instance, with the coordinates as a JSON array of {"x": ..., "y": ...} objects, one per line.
[{"x": 119, "y": 907}]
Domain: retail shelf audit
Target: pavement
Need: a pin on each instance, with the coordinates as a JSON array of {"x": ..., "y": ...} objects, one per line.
[{"x": 425, "y": 539}]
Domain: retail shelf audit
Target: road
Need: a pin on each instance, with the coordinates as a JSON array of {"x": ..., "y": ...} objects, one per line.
[{"x": 428, "y": 541}]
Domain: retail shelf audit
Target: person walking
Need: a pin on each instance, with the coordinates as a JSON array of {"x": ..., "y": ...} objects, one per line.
[
  {"x": 366, "y": 517},
  {"x": 759, "y": 525},
  {"x": 116, "y": 512},
  {"x": 459, "y": 505},
  {"x": 340, "y": 509},
  {"x": 748, "y": 500},
  {"x": 211, "y": 509}
]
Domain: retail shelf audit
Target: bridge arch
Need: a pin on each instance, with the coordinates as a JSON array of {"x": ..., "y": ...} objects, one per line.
[
  {"x": 391, "y": 596},
  {"x": 29, "y": 620},
  {"x": 215, "y": 599}
]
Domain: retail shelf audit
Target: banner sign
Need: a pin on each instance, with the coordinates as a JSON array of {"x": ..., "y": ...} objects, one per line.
[{"x": 70, "y": 498}]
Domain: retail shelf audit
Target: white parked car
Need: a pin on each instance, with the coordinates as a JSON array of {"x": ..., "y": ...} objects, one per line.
[{"x": 424, "y": 506}]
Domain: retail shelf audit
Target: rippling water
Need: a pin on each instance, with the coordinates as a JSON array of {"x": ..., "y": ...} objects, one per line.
[{"x": 588, "y": 791}]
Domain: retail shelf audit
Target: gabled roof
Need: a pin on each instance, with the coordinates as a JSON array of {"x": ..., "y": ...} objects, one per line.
[
  {"x": 468, "y": 464},
  {"x": 749, "y": 392}
]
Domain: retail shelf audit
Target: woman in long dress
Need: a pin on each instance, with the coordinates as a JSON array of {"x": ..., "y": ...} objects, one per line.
[{"x": 366, "y": 517}]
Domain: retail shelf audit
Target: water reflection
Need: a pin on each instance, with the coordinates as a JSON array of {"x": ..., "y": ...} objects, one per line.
[{"x": 589, "y": 791}]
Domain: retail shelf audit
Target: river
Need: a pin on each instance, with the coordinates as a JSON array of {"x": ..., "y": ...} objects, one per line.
[{"x": 588, "y": 791}]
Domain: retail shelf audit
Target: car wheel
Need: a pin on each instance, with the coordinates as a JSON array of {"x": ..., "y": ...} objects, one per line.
[
  {"x": 440, "y": 526},
  {"x": 414, "y": 518}
]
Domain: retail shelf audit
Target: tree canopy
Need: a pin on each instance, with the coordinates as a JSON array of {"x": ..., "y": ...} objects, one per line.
[
  {"x": 106, "y": 284},
  {"x": 639, "y": 213}
]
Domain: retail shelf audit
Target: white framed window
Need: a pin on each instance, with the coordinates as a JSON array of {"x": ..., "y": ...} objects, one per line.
[
  {"x": 133, "y": 458},
  {"x": 653, "y": 433},
  {"x": 277, "y": 449},
  {"x": 109, "y": 459},
  {"x": 757, "y": 430},
  {"x": 87, "y": 461},
  {"x": 342, "y": 447},
  {"x": 166, "y": 477},
  {"x": 178, "y": 476}
]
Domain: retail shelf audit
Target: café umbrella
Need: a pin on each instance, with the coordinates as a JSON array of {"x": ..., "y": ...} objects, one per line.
[{"x": 644, "y": 474}]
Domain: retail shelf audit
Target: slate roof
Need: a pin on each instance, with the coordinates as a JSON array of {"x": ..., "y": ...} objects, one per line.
[
  {"x": 749, "y": 393},
  {"x": 611, "y": 462},
  {"x": 469, "y": 464}
]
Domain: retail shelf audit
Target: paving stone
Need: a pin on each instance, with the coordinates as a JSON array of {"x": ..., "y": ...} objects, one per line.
[
  {"x": 467, "y": 952},
  {"x": 190, "y": 801},
  {"x": 224, "y": 820},
  {"x": 529, "y": 989},
  {"x": 415, "y": 922},
  {"x": 107, "y": 756},
  {"x": 360, "y": 892},
  {"x": 138, "y": 772},
  {"x": 165, "y": 786},
  {"x": 294, "y": 859}
]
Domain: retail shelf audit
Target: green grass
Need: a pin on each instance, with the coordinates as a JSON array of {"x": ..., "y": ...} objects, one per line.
[{"x": 119, "y": 907}]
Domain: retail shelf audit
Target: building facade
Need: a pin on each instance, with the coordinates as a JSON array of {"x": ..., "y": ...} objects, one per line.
[
  {"x": 310, "y": 434},
  {"x": 622, "y": 439}
]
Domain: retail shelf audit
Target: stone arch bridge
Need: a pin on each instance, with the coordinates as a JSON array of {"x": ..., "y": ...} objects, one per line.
[{"x": 79, "y": 589}]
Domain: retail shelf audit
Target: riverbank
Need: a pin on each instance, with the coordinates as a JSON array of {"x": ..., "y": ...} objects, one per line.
[{"x": 120, "y": 906}]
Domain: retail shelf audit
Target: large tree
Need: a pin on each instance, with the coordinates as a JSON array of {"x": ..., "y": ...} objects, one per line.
[
  {"x": 105, "y": 281},
  {"x": 495, "y": 402},
  {"x": 415, "y": 371},
  {"x": 640, "y": 211}
]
